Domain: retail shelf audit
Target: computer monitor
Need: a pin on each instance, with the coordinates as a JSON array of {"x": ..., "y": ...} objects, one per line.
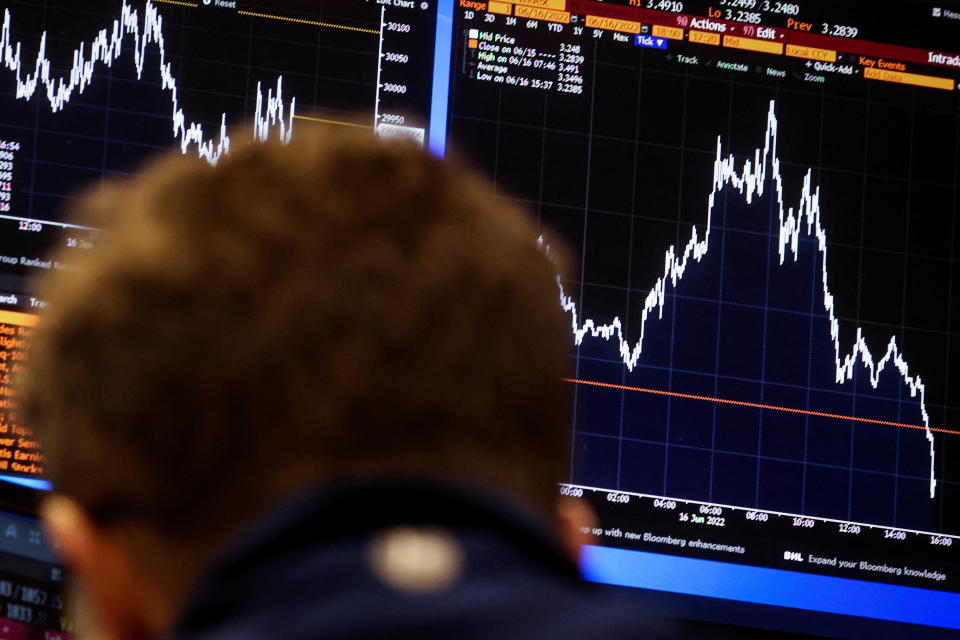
[
  {"x": 763, "y": 201},
  {"x": 94, "y": 89},
  {"x": 32, "y": 594}
]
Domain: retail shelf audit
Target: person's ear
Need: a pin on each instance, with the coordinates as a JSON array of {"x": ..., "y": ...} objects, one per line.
[
  {"x": 574, "y": 520},
  {"x": 101, "y": 563}
]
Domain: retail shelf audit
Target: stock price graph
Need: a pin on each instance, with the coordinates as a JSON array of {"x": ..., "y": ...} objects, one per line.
[
  {"x": 762, "y": 311},
  {"x": 134, "y": 36},
  {"x": 810, "y": 331},
  {"x": 92, "y": 90}
]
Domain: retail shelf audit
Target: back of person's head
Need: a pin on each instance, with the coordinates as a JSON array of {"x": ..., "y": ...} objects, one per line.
[{"x": 338, "y": 309}]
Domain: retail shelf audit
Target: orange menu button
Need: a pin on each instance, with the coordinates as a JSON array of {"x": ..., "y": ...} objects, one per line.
[
  {"x": 536, "y": 13},
  {"x": 18, "y": 318},
  {"x": 811, "y": 53},
  {"x": 916, "y": 79},
  {"x": 672, "y": 33},
  {"x": 751, "y": 44},
  {"x": 559, "y": 5},
  {"x": 613, "y": 24},
  {"x": 705, "y": 37}
]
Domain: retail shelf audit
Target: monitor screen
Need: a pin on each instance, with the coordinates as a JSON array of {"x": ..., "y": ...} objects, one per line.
[
  {"x": 32, "y": 605},
  {"x": 94, "y": 89},
  {"x": 763, "y": 201},
  {"x": 762, "y": 197}
]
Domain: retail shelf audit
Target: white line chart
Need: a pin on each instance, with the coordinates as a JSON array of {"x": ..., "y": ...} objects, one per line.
[
  {"x": 805, "y": 217},
  {"x": 131, "y": 36}
]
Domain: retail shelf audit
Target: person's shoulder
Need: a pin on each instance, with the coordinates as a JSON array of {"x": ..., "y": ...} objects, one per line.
[
  {"x": 467, "y": 568},
  {"x": 522, "y": 609},
  {"x": 494, "y": 592}
]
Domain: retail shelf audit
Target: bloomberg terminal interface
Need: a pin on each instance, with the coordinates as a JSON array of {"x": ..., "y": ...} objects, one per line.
[{"x": 763, "y": 197}]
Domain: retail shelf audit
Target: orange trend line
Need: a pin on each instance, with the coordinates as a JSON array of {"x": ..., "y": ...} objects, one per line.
[
  {"x": 339, "y": 122},
  {"x": 756, "y": 405},
  {"x": 315, "y": 23}
]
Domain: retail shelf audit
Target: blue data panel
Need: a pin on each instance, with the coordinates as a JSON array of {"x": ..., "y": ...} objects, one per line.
[
  {"x": 771, "y": 587},
  {"x": 650, "y": 41}
]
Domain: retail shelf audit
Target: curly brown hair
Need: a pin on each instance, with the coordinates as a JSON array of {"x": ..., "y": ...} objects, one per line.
[{"x": 340, "y": 308}]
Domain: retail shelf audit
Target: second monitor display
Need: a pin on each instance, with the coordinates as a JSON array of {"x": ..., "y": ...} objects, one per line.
[{"x": 763, "y": 316}]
